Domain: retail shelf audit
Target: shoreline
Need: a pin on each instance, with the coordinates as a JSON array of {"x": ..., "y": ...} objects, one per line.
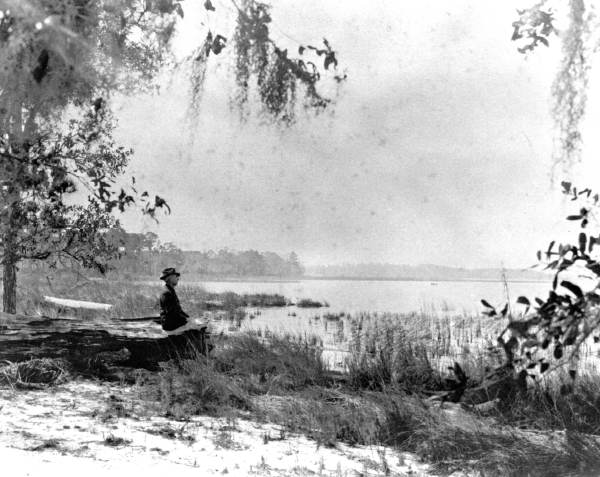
[
  {"x": 198, "y": 279},
  {"x": 359, "y": 279}
]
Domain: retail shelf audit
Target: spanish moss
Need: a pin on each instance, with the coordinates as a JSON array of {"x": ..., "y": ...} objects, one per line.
[
  {"x": 261, "y": 64},
  {"x": 570, "y": 87}
]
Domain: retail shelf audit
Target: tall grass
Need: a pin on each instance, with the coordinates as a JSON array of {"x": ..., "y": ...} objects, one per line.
[
  {"x": 546, "y": 405},
  {"x": 281, "y": 362},
  {"x": 382, "y": 353}
]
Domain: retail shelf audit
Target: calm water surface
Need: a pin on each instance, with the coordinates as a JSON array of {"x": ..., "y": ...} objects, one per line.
[
  {"x": 390, "y": 296},
  {"x": 352, "y": 296}
]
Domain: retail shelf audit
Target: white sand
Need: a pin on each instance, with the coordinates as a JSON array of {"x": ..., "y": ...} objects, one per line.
[{"x": 63, "y": 432}]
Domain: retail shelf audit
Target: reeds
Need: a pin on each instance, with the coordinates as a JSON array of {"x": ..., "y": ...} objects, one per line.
[{"x": 382, "y": 353}]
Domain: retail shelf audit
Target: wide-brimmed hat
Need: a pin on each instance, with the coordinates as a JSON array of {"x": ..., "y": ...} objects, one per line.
[{"x": 168, "y": 272}]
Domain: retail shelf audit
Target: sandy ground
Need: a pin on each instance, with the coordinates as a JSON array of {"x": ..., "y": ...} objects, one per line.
[{"x": 88, "y": 428}]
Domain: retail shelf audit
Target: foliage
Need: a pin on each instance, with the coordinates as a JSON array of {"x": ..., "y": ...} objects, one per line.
[
  {"x": 534, "y": 26},
  {"x": 560, "y": 325},
  {"x": 61, "y": 53},
  {"x": 61, "y": 62},
  {"x": 36, "y": 220}
]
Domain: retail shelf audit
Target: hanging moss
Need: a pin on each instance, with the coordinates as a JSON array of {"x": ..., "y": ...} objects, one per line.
[
  {"x": 570, "y": 87},
  {"x": 261, "y": 63},
  {"x": 262, "y": 69},
  {"x": 535, "y": 27},
  {"x": 197, "y": 64}
]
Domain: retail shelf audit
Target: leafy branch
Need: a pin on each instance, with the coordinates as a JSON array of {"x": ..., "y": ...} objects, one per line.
[{"x": 552, "y": 332}]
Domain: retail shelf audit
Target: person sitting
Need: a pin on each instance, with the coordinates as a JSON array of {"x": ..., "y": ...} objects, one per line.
[{"x": 173, "y": 319}]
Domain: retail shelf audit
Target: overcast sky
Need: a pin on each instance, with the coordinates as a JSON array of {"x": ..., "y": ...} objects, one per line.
[{"x": 438, "y": 151}]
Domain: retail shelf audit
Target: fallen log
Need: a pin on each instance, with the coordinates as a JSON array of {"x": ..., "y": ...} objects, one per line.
[{"x": 94, "y": 344}]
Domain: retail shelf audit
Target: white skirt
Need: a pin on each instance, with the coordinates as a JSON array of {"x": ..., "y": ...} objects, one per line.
[{"x": 190, "y": 325}]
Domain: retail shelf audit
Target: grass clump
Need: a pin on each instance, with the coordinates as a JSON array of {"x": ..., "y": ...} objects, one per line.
[
  {"x": 382, "y": 353},
  {"x": 308, "y": 303},
  {"x": 264, "y": 300},
  {"x": 116, "y": 441},
  {"x": 47, "y": 444},
  {"x": 467, "y": 442},
  {"x": 544, "y": 406},
  {"x": 273, "y": 362},
  {"x": 195, "y": 386},
  {"x": 332, "y": 415},
  {"x": 35, "y": 373}
]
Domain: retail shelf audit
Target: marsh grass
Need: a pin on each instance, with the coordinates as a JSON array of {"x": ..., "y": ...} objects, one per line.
[
  {"x": 382, "y": 353},
  {"x": 129, "y": 299}
]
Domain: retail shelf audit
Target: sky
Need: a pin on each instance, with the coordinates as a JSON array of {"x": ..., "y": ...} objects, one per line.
[{"x": 438, "y": 150}]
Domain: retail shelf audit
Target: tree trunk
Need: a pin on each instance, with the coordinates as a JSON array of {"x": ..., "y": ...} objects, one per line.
[
  {"x": 9, "y": 279},
  {"x": 9, "y": 265},
  {"x": 9, "y": 238}
]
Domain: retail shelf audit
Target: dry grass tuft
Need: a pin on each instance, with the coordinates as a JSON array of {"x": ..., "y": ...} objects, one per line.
[
  {"x": 469, "y": 442},
  {"x": 36, "y": 373},
  {"x": 273, "y": 363}
]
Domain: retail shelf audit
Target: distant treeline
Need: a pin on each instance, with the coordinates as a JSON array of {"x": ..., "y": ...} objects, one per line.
[
  {"x": 143, "y": 255},
  {"x": 423, "y": 272}
]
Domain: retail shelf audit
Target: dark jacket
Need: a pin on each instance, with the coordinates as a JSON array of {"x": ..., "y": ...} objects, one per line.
[{"x": 171, "y": 314}]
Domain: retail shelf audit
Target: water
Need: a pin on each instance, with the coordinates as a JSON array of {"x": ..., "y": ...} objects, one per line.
[
  {"x": 391, "y": 296},
  {"x": 353, "y": 296}
]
